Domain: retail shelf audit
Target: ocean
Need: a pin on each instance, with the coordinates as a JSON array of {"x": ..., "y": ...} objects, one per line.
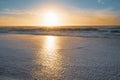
[
  {"x": 85, "y": 31},
  {"x": 88, "y": 53}
]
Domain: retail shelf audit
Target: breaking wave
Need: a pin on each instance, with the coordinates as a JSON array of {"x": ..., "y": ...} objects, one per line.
[{"x": 110, "y": 32}]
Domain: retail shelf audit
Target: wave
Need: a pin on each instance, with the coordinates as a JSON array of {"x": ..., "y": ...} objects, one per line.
[{"x": 110, "y": 32}]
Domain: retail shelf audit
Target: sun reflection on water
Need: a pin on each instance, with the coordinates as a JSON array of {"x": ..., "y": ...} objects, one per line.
[
  {"x": 50, "y": 52},
  {"x": 50, "y": 43},
  {"x": 48, "y": 60}
]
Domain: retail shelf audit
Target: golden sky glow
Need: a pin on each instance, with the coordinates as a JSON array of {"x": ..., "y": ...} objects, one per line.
[{"x": 58, "y": 16}]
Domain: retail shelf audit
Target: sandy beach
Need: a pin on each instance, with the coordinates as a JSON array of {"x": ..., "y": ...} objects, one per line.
[{"x": 40, "y": 57}]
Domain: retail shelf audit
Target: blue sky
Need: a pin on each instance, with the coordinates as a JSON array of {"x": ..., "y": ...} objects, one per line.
[
  {"x": 89, "y": 4},
  {"x": 111, "y": 7}
]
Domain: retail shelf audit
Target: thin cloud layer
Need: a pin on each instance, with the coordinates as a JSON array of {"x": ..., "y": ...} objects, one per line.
[{"x": 71, "y": 15}]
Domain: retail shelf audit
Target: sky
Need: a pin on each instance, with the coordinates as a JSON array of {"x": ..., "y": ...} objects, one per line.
[{"x": 69, "y": 12}]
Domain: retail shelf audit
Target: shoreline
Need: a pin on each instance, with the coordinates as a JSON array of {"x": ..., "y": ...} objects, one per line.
[
  {"x": 58, "y": 57},
  {"x": 58, "y": 35}
]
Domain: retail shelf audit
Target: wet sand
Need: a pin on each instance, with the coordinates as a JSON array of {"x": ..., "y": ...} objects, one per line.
[{"x": 37, "y": 57}]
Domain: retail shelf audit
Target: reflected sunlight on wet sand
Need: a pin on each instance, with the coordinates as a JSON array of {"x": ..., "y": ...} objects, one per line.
[{"x": 35, "y": 57}]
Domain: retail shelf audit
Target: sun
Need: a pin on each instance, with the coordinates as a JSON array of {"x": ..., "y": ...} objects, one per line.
[{"x": 51, "y": 18}]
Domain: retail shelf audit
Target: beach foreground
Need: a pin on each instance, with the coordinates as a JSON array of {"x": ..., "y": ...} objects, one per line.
[{"x": 35, "y": 57}]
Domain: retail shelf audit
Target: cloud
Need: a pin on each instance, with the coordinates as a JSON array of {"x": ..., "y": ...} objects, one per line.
[
  {"x": 69, "y": 15},
  {"x": 15, "y": 12},
  {"x": 93, "y": 16},
  {"x": 101, "y": 1}
]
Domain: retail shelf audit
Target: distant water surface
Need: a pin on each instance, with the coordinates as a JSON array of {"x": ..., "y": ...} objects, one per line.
[
  {"x": 35, "y": 57},
  {"x": 86, "y": 31}
]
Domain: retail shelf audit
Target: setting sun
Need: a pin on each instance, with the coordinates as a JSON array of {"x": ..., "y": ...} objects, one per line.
[{"x": 50, "y": 18}]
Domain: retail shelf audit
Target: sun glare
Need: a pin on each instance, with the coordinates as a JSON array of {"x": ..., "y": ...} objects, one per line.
[
  {"x": 50, "y": 42},
  {"x": 50, "y": 19}
]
